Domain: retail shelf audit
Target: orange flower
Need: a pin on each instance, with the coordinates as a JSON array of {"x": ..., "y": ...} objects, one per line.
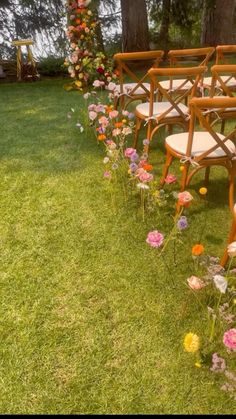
[
  {"x": 78, "y": 21},
  {"x": 109, "y": 108},
  {"x": 118, "y": 124},
  {"x": 147, "y": 167},
  {"x": 101, "y": 137},
  {"x": 197, "y": 249}
]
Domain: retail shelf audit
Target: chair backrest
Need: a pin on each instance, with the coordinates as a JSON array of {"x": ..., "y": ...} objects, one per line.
[
  {"x": 223, "y": 80},
  {"x": 224, "y": 53},
  {"x": 125, "y": 65},
  {"x": 199, "y": 111},
  {"x": 188, "y": 75},
  {"x": 180, "y": 56}
]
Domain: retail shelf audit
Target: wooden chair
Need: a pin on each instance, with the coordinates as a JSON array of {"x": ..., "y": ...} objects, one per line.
[
  {"x": 128, "y": 64},
  {"x": 231, "y": 238},
  {"x": 170, "y": 111},
  {"x": 202, "y": 149},
  {"x": 223, "y": 83},
  {"x": 224, "y": 55},
  {"x": 186, "y": 57}
]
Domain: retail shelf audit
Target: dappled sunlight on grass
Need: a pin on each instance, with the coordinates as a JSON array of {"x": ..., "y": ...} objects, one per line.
[{"x": 91, "y": 320}]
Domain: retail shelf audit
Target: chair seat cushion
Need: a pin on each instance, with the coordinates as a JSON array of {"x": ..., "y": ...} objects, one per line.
[
  {"x": 159, "y": 108},
  {"x": 202, "y": 141},
  {"x": 230, "y": 83},
  {"x": 175, "y": 84},
  {"x": 129, "y": 86}
]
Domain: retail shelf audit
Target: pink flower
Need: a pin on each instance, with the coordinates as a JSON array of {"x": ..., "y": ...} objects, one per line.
[
  {"x": 170, "y": 178},
  {"x": 184, "y": 198},
  {"x": 129, "y": 151},
  {"x": 116, "y": 132},
  {"x": 96, "y": 83},
  {"x": 92, "y": 107},
  {"x": 145, "y": 177},
  {"x": 195, "y": 283},
  {"x": 111, "y": 86},
  {"x": 103, "y": 121},
  {"x": 100, "y": 108},
  {"x": 229, "y": 339},
  {"x": 92, "y": 115},
  {"x": 113, "y": 114},
  {"x": 107, "y": 174},
  {"x": 155, "y": 238}
]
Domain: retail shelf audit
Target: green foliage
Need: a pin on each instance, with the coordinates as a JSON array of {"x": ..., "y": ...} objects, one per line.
[{"x": 51, "y": 66}]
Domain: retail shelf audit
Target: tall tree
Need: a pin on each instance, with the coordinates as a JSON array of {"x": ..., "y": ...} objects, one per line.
[
  {"x": 165, "y": 23},
  {"x": 218, "y": 22},
  {"x": 135, "y": 36}
]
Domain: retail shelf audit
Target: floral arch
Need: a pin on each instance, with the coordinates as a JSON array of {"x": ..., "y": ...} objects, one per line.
[{"x": 85, "y": 64}]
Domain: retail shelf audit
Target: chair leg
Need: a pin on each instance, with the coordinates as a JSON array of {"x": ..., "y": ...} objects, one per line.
[
  {"x": 169, "y": 159},
  {"x": 136, "y": 133},
  {"x": 207, "y": 175},
  {"x": 231, "y": 238},
  {"x": 184, "y": 177},
  {"x": 231, "y": 186}
]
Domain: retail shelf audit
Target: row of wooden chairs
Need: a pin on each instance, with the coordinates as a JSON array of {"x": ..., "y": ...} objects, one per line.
[{"x": 139, "y": 86}]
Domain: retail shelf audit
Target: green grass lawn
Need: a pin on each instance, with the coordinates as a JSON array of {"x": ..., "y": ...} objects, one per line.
[{"x": 90, "y": 320}]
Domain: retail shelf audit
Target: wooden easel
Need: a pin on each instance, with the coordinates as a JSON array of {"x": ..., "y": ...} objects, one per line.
[{"x": 31, "y": 73}]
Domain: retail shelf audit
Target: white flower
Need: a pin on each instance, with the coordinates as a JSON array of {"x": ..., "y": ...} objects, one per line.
[
  {"x": 231, "y": 249},
  {"x": 220, "y": 283},
  {"x": 81, "y": 128},
  {"x": 86, "y": 95},
  {"x": 106, "y": 160},
  {"x": 127, "y": 131},
  {"x": 142, "y": 186}
]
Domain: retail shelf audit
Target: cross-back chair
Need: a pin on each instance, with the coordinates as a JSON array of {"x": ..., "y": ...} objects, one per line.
[
  {"x": 204, "y": 148},
  {"x": 182, "y": 57},
  {"x": 224, "y": 56},
  {"x": 170, "y": 111},
  {"x": 231, "y": 238},
  {"x": 129, "y": 65},
  {"x": 223, "y": 84}
]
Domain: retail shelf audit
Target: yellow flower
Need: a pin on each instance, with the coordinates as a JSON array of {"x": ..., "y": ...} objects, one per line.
[
  {"x": 77, "y": 67},
  {"x": 78, "y": 83},
  {"x": 234, "y": 300},
  {"x": 124, "y": 121},
  {"x": 198, "y": 364},
  {"x": 181, "y": 168},
  {"x": 81, "y": 76},
  {"x": 129, "y": 171},
  {"x": 191, "y": 343},
  {"x": 203, "y": 191}
]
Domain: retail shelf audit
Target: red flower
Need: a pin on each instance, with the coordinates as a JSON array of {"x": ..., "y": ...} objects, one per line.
[{"x": 100, "y": 70}]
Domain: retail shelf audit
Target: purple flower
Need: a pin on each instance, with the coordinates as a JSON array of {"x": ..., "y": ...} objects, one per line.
[
  {"x": 218, "y": 363},
  {"x": 182, "y": 223},
  {"x": 155, "y": 238},
  {"x": 131, "y": 115},
  {"x": 146, "y": 142},
  {"x": 134, "y": 157},
  {"x": 133, "y": 167}
]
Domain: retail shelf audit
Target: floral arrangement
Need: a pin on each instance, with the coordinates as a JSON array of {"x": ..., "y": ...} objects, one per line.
[
  {"x": 84, "y": 63},
  {"x": 215, "y": 290}
]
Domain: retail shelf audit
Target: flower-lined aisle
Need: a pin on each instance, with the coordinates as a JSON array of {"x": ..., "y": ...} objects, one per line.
[
  {"x": 127, "y": 169},
  {"x": 132, "y": 172}
]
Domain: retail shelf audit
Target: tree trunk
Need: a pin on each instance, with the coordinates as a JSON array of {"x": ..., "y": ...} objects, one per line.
[
  {"x": 134, "y": 25},
  {"x": 218, "y": 22},
  {"x": 165, "y": 23}
]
